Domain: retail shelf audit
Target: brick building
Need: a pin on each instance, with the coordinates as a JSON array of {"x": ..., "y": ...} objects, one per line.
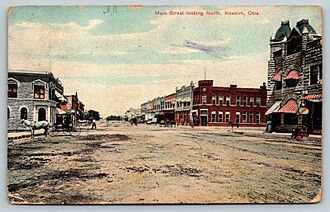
[
  {"x": 74, "y": 105},
  {"x": 295, "y": 78},
  {"x": 34, "y": 96},
  {"x": 219, "y": 106},
  {"x": 184, "y": 96}
]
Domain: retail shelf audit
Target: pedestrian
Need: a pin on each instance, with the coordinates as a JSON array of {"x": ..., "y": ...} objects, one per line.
[
  {"x": 93, "y": 124},
  {"x": 192, "y": 122}
]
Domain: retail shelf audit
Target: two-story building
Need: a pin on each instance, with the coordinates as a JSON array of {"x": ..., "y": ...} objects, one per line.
[
  {"x": 74, "y": 106},
  {"x": 220, "y": 106},
  {"x": 167, "y": 110},
  {"x": 34, "y": 96},
  {"x": 184, "y": 96},
  {"x": 295, "y": 78}
]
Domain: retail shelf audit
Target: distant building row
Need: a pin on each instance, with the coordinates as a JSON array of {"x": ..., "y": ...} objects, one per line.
[
  {"x": 37, "y": 96},
  {"x": 209, "y": 105}
]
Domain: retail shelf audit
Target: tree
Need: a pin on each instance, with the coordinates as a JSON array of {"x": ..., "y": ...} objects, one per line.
[{"x": 93, "y": 114}]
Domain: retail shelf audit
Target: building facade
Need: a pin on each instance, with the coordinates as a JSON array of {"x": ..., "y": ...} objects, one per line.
[
  {"x": 34, "y": 96},
  {"x": 222, "y": 106},
  {"x": 295, "y": 78},
  {"x": 167, "y": 113},
  {"x": 184, "y": 96}
]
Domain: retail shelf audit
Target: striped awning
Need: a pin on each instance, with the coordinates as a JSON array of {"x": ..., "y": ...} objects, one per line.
[
  {"x": 274, "y": 108},
  {"x": 290, "y": 107},
  {"x": 293, "y": 74},
  {"x": 277, "y": 76},
  {"x": 312, "y": 96}
]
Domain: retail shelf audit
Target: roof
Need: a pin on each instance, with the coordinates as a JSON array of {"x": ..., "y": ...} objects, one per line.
[
  {"x": 312, "y": 97},
  {"x": 283, "y": 31},
  {"x": 304, "y": 23},
  {"x": 291, "y": 106}
]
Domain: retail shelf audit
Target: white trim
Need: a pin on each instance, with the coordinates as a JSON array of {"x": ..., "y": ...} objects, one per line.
[
  {"x": 22, "y": 107},
  {"x": 17, "y": 82}
]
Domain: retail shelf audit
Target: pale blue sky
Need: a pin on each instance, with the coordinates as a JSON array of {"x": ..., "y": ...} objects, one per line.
[{"x": 88, "y": 47}]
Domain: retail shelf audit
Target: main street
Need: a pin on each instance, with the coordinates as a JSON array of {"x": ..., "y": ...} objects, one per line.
[{"x": 119, "y": 163}]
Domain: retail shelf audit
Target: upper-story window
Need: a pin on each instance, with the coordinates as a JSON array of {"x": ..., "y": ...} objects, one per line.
[
  {"x": 213, "y": 99},
  {"x": 277, "y": 78},
  {"x": 204, "y": 99},
  {"x": 39, "y": 91},
  {"x": 220, "y": 100},
  {"x": 12, "y": 90},
  {"x": 245, "y": 99},
  {"x": 292, "y": 78},
  {"x": 313, "y": 74},
  {"x": 258, "y": 101},
  {"x": 228, "y": 100},
  {"x": 251, "y": 101},
  {"x": 238, "y": 101}
]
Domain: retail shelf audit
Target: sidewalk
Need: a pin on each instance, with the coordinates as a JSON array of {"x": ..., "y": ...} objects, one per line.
[{"x": 24, "y": 134}]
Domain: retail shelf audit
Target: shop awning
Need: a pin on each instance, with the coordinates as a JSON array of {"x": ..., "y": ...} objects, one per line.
[
  {"x": 290, "y": 107},
  {"x": 274, "y": 108},
  {"x": 312, "y": 97},
  {"x": 293, "y": 74},
  {"x": 277, "y": 76},
  {"x": 60, "y": 96}
]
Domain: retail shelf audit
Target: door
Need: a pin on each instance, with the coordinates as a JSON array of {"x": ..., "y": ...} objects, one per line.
[
  {"x": 42, "y": 114},
  {"x": 204, "y": 120}
]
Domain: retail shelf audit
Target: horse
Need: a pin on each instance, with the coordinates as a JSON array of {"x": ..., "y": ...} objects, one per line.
[{"x": 36, "y": 126}]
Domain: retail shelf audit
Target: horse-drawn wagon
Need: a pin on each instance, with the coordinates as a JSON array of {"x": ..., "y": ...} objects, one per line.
[{"x": 65, "y": 124}]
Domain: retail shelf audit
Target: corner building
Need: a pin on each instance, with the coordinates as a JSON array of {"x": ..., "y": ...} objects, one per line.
[{"x": 222, "y": 106}]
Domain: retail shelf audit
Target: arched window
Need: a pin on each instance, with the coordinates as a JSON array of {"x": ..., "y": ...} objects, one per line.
[
  {"x": 42, "y": 114},
  {"x": 8, "y": 113},
  {"x": 23, "y": 113}
]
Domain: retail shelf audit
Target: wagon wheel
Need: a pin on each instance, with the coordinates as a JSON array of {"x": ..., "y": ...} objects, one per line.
[
  {"x": 53, "y": 131},
  {"x": 75, "y": 131}
]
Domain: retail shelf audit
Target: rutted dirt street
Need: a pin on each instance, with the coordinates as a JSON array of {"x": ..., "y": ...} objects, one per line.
[{"x": 118, "y": 164}]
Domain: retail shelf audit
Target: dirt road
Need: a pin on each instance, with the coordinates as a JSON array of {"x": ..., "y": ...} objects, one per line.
[{"x": 118, "y": 164}]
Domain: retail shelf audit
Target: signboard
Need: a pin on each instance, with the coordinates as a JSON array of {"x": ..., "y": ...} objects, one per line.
[{"x": 303, "y": 110}]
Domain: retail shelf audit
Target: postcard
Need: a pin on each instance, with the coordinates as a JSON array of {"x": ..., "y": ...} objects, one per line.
[{"x": 164, "y": 104}]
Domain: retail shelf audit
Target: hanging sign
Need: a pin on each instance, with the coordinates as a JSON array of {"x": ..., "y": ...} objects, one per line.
[{"x": 303, "y": 110}]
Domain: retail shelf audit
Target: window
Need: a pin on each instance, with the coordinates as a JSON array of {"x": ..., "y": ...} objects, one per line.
[
  {"x": 213, "y": 99},
  {"x": 213, "y": 119},
  {"x": 228, "y": 100},
  {"x": 203, "y": 99},
  {"x": 290, "y": 119},
  {"x": 313, "y": 75},
  {"x": 220, "y": 116},
  {"x": 251, "y": 101},
  {"x": 227, "y": 116},
  {"x": 245, "y": 99},
  {"x": 251, "y": 117},
  {"x": 8, "y": 113},
  {"x": 258, "y": 101},
  {"x": 244, "y": 117},
  {"x": 257, "y": 117},
  {"x": 278, "y": 85},
  {"x": 39, "y": 92},
  {"x": 238, "y": 117},
  {"x": 220, "y": 100},
  {"x": 12, "y": 90},
  {"x": 23, "y": 113},
  {"x": 320, "y": 69},
  {"x": 238, "y": 101}
]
